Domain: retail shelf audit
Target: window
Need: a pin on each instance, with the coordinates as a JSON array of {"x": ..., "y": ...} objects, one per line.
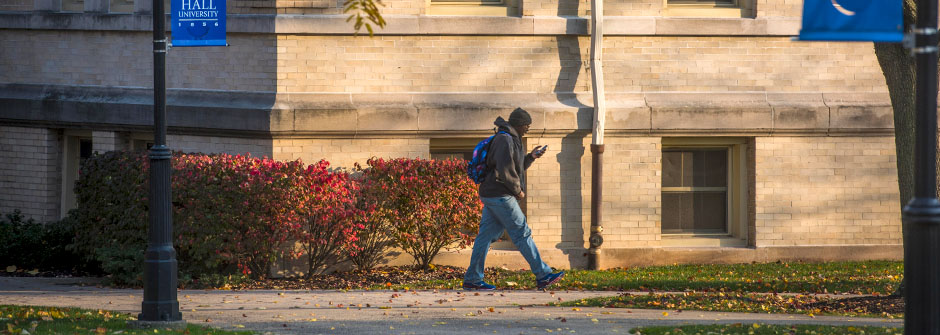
[
  {"x": 709, "y": 8},
  {"x": 124, "y": 6},
  {"x": 725, "y": 3},
  {"x": 73, "y": 5},
  {"x": 474, "y": 7},
  {"x": 695, "y": 190},
  {"x": 704, "y": 187}
]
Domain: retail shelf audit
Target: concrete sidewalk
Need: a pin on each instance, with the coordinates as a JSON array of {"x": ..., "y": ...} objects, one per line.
[{"x": 388, "y": 312}]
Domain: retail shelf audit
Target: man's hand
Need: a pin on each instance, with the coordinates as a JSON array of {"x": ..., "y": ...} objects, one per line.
[
  {"x": 537, "y": 153},
  {"x": 520, "y": 195}
]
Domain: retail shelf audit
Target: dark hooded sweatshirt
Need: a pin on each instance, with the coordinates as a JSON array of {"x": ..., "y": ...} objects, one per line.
[{"x": 506, "y": 163}]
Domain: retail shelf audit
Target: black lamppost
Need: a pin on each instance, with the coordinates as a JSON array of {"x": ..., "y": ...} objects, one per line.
[
  {"x": 922, "y": 214},
  {"x": 160, "y": 304}
]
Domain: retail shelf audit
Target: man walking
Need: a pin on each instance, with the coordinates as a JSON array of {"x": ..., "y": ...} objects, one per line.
[{"x": 503, "y": 187}]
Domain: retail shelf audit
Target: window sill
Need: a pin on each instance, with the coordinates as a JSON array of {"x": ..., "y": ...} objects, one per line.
[
  {"x": 701, "y": 241},
  {"x": 470, "y": 9}
]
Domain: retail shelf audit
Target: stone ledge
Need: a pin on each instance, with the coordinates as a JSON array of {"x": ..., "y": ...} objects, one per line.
[
  {"x": 321, "y": 24},
  {"x": 388, "y": 114}
]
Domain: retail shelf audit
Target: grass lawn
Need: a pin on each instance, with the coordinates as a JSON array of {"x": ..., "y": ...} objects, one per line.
[
  {"x": 54, "y": 320},
  {"x": 758, "y": 329},
  {"x": 742, "y": 302},
  {"x": 869, "y": 277}
]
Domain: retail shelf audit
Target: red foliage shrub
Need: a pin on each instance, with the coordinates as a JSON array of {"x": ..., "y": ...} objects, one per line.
[
  {"x": 431, "y": 203},
  {"x": 229, "y": 211}
]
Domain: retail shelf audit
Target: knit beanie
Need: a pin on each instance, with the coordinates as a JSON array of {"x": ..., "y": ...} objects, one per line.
[{"x": 519, "y": 117}]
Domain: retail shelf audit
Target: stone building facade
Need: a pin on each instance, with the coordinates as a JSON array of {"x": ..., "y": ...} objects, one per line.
[{"x": 725, "y": 140}]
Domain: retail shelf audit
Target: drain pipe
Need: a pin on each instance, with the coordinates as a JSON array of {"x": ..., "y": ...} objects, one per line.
[{"x": 597, "y": 141}]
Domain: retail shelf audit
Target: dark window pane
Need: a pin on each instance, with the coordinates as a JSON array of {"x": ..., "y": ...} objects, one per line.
[
  {"x": 677, "y": 168},
  {"x": 709, "y": 168},
  {"x": 716, "y": 168},
  {"x": 698, "y": 168},
  {"x": 672, "y": 168},
  {"x": 710, "y": 208},
  {"x": 670, "y": 212},
  {"x": 686, "y": 212},
  {"x": 84, "y": 148}
]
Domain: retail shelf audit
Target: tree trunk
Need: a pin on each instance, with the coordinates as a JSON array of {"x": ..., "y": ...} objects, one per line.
[{"x": 901, "y": 77}]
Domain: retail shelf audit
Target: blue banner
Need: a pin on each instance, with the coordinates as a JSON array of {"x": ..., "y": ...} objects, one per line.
[
  {"x": 852, "y": 20},
  {"x": 197, "y": 23}
]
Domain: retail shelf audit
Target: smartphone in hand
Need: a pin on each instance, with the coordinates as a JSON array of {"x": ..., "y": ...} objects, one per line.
[{"x": 542, "y": 150}]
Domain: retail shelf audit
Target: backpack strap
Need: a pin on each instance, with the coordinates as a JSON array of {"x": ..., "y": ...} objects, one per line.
[{"x": 488, "y": 145}]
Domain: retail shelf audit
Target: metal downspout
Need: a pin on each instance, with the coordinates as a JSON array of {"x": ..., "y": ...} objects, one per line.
[{"x": 597, "y": 143}]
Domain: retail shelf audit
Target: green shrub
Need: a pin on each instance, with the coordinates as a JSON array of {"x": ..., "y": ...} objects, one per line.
[
  {"x": 111, "y": 210},
  {"x": 124, "y": 265},
  {"x": 28, "y": 244}
]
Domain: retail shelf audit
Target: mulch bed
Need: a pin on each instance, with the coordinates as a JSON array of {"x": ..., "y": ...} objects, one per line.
[
  {"x": 356, "y": 279},
  {"x": 890, "y": 304}
]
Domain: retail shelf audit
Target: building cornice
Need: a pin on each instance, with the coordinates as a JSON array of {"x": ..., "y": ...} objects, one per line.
[{"x": 270, "y": 114}]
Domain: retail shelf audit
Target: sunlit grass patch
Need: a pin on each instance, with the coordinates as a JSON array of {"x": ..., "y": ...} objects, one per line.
[
  {"x": 869, "y": 277},
  {"x": 740, "y": 302}
]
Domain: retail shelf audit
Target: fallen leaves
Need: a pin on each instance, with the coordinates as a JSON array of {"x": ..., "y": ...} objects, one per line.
[{"x": 752, "y": 302}]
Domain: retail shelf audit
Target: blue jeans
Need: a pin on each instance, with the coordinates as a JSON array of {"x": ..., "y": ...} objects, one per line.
[{"x": 503, "y": 213}]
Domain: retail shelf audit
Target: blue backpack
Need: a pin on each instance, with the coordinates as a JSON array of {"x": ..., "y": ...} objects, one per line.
[{"x": 476, "y": 167}]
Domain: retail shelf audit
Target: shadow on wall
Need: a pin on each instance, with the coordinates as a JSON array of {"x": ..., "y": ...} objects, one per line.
[
  {"x": 572, "y": 145},
  {"x": 572, "y": 200}
]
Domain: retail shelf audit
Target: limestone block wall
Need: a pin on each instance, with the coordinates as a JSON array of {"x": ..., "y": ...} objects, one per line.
[
  {"x": 335, "y": 7},
  {"x": 771, "y": 8},
  {"x": 345, "y": 152},
  {"x": 400, "y": 64},
  {"x": 826, "y": 191},
  {"x": 216, "y": 144},
  {"x": 125, "y": 59},
  {"x": 16, "y": 5},
  {"x": 632, "y": 192},
  {"x": 559, "y": 192},
  {"x": 559, "y": 197},
  {"x": 29, "y": 177},
  {"x": 104, "y": 141},
  {"x": 559, "y": 64},
  {"x": 715, "y": 64}
]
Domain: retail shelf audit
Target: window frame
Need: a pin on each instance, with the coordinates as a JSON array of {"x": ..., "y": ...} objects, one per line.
[
  {"x": 474, "y": 7},
  {"x": 736, "y": 9},
  {"x": 71, "y": 162},
  {"x": 737, "y": 183}
]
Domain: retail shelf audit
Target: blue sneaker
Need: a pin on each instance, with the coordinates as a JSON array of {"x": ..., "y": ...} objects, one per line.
[
  {"x": 481, "y": 286},
  {"x": 549, "y": 280}
]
